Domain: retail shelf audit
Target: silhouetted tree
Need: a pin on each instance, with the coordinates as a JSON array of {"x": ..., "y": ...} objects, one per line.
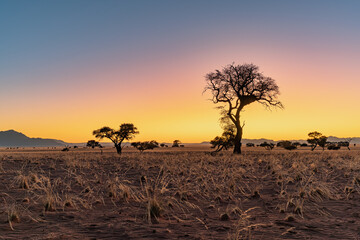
[
  {"x": 315, "y": 139},
  {"x": 334, "y": 146},
  {"x": 127, "y": 131},
  {"x": 93, "y": 144},
  {"x": 237, "y": 86},
  {"x": 142, "y": 146},
  {"x": 176, "y": 143},
  {"x": 288, "y": 145},
  {"x": 268, "y": 146},
  {"x": 322, "y": 142}
]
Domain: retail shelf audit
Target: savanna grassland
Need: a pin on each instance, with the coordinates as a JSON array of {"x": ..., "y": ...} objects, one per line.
[{"x": 180, "y": 194}]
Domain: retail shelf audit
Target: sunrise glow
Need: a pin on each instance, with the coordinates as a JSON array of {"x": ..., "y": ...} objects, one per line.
[{"x": 67, "y": 69}]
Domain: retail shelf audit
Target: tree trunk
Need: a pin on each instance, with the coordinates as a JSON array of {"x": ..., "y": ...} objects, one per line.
[
  {"x": 238, "y": 137},
  {"x": 118, "y": 148},
  {"x": 313, "y": 147}
]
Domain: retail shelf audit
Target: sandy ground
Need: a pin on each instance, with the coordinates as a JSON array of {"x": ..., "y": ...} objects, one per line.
[{"x": 179, "y": 194}]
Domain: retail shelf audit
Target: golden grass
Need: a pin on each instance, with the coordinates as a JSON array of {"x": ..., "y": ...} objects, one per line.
[{"x": 247, "y": 195}]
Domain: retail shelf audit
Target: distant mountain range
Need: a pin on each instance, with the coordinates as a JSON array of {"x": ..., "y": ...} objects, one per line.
[{"x": 12, "y": 138}]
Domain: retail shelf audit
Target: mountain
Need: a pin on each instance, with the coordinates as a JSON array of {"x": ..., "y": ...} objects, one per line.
[{"x": 13, "y": 138}]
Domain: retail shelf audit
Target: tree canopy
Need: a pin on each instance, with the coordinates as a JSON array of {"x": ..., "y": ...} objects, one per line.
[
  {"x": 127, "y": 131},
  {"x": 148, "y": 145},
  {"x": 316, "y": 139},
  {"x": 93, "y": 144}
]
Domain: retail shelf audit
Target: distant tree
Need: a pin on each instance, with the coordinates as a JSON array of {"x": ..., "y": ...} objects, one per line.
[
  {"x": 322, "y": 142},
  {"x": 250, "y": 145},
  {"x": 93, "y": 144},
  {"x": 303, "y": 145},
  {"x": 176, "y": 143},
  {"x": 127, "y": 131},
  {"x": 142, "y": 146},
  {"x": 237, "y": 86},
  {"x": 333, "y": 146},
  {"x": 268, "y": 146},
  {"x": 162, "y": 145},
  {"x": 315, "y": 139},
  {"x": 288, "y": 145},
  {"x": 283, "y": 143}
]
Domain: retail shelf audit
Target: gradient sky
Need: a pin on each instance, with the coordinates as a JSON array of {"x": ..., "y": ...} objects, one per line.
[{"x": 69, "y": 67}]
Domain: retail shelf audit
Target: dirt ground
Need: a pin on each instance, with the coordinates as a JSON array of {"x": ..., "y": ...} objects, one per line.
[{"x": 179, "y": 194}]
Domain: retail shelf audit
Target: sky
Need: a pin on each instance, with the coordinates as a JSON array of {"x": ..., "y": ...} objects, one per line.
[{"x": 70, "y": 67}]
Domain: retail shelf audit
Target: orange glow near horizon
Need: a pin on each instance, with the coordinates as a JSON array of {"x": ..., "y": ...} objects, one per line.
[
  {"x": 166, "y": 112},
  {"x": 150, "y": 70}
]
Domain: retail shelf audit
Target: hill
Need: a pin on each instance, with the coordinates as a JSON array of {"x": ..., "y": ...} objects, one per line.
[{"x": 12, "y": 138}]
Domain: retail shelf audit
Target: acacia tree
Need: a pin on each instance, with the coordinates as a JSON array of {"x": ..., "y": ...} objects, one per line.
[
  {"x": 267, "y": 146},
  {"x": 236, "y": 86},
  {"x": 93, "y": 144},
  {"x": 142, "y": 146},
  {"x": 315, "y": 139},
  {"x": 176, "y": 143},
  {"x": 127, "y": 131}
]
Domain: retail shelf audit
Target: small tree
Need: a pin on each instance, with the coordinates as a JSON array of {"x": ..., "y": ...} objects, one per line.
[
  {"x": 267, "y": 146},
  {"x": 315, "y": 139},
  {"x": 127, "y": 131},
  {"x": 334, "y": 146},
  {"x": 176, "y": 143},
  {"x": 288, "y": 145},
  {"x": 322, "y": 142},
  {"x": 236, "y": 86},
  {"x": 93, "y": 144},
  {"x": 283, "y": 143},
  {"x": 142, "y": 146}
]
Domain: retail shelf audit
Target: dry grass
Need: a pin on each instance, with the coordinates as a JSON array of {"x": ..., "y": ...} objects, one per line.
[{"x": 261, "y": 194}]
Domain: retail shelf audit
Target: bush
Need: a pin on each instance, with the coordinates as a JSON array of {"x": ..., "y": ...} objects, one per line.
[
  {"x": 290, "y": 147},
  {"x": 287, "y": 145},
  {"x": 333, "y": 147},
  {"x": 268, "y": 146},
  {"x": 142, "y": 146}
]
